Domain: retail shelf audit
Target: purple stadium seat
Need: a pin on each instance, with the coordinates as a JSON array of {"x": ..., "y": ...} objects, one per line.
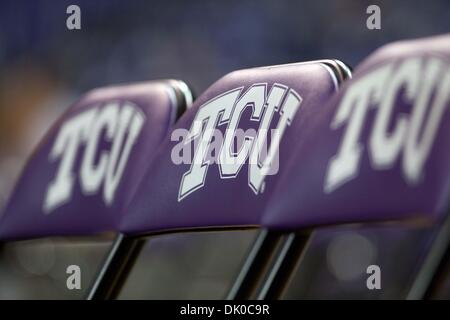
[
  {"x": 379, "y": 150},
  {"x": 201, "y": 179},
  {"x": 84, "y": 172}
]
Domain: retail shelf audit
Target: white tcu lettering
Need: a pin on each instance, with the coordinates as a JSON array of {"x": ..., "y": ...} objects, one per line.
[
  {"x": 120, "y": 126},
  {"x": 413, "y": 134},
  {"x": 228, "y": 108}
]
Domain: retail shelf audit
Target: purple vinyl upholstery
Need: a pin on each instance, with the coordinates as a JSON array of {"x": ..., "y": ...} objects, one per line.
[
  {"x": 83, "y": 173},
  {"x": 216, "y": 184},
  {"x": 380, "y": 149}
]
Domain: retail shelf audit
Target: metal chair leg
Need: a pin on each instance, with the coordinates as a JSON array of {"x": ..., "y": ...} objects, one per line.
[
  {"x": 433, "y": 269},
  {"x": 115, "y": 270},
  {"x": 283, "y": 267},
  {"x": 254, "y": 266}
]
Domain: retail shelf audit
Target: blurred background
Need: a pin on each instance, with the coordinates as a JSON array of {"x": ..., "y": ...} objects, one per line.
[{"x": 44, "y": 67}]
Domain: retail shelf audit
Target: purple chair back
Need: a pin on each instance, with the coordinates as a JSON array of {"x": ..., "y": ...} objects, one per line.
[
  {"x": 227, "y": 152},
  {"x": 379, "y": 151},
  {"x": 84, "y": 172}
]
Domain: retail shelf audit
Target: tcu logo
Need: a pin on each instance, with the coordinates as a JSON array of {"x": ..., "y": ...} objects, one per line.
[
  {"x": 228, "y": 108},
  {"x": 119, "y": 125},
  {"x": 424, "y": 84}
]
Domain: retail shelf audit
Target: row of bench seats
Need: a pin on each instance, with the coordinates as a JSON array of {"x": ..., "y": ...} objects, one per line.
[{"x": 341, "y": 148}]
